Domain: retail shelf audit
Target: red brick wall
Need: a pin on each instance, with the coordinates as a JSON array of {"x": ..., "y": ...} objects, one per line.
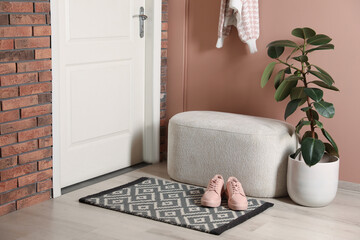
[
  {"x": 163, "y": 129},
  {"x": 25, "y": 95}
]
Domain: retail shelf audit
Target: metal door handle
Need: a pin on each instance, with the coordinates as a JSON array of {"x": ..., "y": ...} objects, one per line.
[{"x": 142, "y": 18}]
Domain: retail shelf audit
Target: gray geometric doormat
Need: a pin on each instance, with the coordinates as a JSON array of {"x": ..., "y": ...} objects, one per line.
[{"x": 175, "y": 203}]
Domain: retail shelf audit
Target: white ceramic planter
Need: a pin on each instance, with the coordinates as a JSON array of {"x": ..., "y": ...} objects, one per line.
[{"x": 314, "y": 186}]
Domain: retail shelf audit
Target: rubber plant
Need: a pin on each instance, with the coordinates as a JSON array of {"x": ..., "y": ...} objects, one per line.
[{"x": 303, "y": 82}]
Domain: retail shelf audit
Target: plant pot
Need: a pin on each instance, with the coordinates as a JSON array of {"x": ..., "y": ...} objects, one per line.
[{"x": 314, "y": 186}]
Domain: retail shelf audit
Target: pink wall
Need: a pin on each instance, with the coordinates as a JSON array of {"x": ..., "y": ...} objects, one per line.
[{"x": 202, "y": 77}]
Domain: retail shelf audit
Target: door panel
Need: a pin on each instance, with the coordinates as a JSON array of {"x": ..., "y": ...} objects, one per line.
[{"x": 101, "y": 87}]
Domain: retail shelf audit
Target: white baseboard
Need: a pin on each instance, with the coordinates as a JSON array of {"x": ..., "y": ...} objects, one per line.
[{"x": 349, "y": 186}]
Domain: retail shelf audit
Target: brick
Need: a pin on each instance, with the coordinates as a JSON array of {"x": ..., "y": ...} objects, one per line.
[
  {"x": 42, "y": 30},
  {"x": 34, "y": 133},
  {"x": 16, "y": 7},
  {"x": 23, "y": 19},
  {"x": 34, "y": 177},
  {"x": 36, "y": 155},
  {"x": 8, "y": 185},
  {"x": 18, "y": 79},
  {"x": 17, "y": 194},
  {"x": 16, "y": 31},
  {"x": 164, "y": 44},
  {"x": 34, "y": 66},
  {"x": 35, "y": 88},
  {"x": 45, "y": 120},
  {"x": 45, "y": 76},
  {"x": 12, "y": 56},
  {"x": 9, "y": 116},
  {"x": 17, "y": 171},
  {"x": 8, "y": 139},
  {"x": 44, "y": 185},
  {"x": 9, "y": 92},
  {"x": 27, "y": 202},
  {"x": 6, "y": 44},
  {"x": 18, "y": 125},
  {"x": 45, "y": 164},
  {"x": 8, "y": 162},
  {"x": 45, "y": 98},
  {"x": 7, "y": 208},
  {"x": 19, "y": 148},
  {"x": 34, "y": 111},
  {"x": 19, "y": 102},
  {"x": 4, "y": 19},
  {"x": 163, "y": 53},
  {"x": 48, "y": 19},
  {"x": 42, "y": 7},
  {"x": 32, "y": 42},
  {"x": 6, "y": 68},
  {"x": 164, "y": 35},
  {"x": 45, "y": 142},
  {"x": 164, "y": 26},
  {"x": 42, "y": 53}
]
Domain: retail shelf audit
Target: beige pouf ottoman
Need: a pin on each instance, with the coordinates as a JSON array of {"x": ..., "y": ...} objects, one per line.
[{"x": 253, "y": 149}]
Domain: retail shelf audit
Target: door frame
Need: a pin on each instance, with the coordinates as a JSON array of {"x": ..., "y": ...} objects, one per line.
[{"x": 151, "y": 139}]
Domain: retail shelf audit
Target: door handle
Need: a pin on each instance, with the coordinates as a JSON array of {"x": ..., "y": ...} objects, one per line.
[{"x": 142, "y": 17}]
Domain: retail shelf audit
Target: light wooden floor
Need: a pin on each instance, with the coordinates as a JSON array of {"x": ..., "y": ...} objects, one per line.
[{"x": 65, "y": 218}]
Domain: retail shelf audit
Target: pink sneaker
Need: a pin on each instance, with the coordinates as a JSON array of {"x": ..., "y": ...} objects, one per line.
[
  {"x": 212, "y": 195},
  {"x": 235, "y": 195}
]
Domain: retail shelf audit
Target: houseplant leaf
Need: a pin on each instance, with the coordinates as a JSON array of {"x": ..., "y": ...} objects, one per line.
[
  {"x": 297, "y": 93},
  {"x": 319, "y": 124},
  {"x": 293, "y": 78},
  {"x": 308, "y": 134},
  {"x": 314, "y": 93},
  {"x": 312, "y": 150},
  {"x": 283, "y": 43},
  {"x": 301, "y": 124},
  {"x": 288, "y": 70},
  {"x": 330, "y": 139},
  {"x": 279, "y": 77},
  {"x": 284, "y": 90},
  {"x": 267, "y": 73},
  {"x": 325, "y": 109},
  {"x": 324, "y": 85},
  {"x": 291, "y": 107},
  {"x": 303, "y": 32},
  {"x": 323, "y": 72},
  {"x": 301, "y": 58},
  {"x": 322, "y": 77},
  {"x": 331, "y": 150},
  {"x": 305, "y": 109},
  {"x": 314, "y": 114},
  {"x": 275, "y": 52},
  {"x": 322, "y": 47},
  {"x": 294, "y": 155},
  {"x": 319, "y": 39}
]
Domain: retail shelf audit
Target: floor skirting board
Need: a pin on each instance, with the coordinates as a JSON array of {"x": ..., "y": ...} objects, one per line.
[{"x": 349, "y": 186}]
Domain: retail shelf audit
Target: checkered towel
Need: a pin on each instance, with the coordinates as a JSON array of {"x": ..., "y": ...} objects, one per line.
[{"x": 244, "y": 15}]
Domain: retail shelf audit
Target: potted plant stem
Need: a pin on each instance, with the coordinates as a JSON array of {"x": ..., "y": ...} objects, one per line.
[{"x": 313, "y": 169}]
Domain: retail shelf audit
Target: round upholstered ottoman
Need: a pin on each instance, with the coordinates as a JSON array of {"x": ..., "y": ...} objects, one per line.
[{"x": 253, "y": 149}]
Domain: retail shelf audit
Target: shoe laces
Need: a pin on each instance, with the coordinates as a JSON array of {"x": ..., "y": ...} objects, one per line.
[
  {"x": 236, "y": 187},
  {"x": 213, "y": 184}
]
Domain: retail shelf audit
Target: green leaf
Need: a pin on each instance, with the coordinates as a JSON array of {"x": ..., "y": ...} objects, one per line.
[
  {"x": 322, "y": 77},
  {"x": 325, "y": 109},
  {"x": 305, "y": 109},
  {"x": 275, "y": 52},
  {"x": 322, "y": 47},
  {"x": 330, "y": 139},
  {"x": 319, "y": 124},
  {"x": 301, "y": 58},
  {"x": 314, "y": 93},
  {"x": 297, "y": 93},
  {"x": 324, "y": 72},
  {"x": 331, "y": 150},
  {"x": 319, "y": 39},
  {"x": 284, "y": 90},
  {"x": 324, "y": 85},
  {"x": 312, "y": 150},
  {"x": 279, "y": 77},
  {"x": 283, "y": 43},
  {"x": 309, "y": 134},
  {"x": 301, "y": 124},
  {"x": 288, "y": 70},
  {"x": 291, "y": 107},
  {"x": 292, "y": 52},
  {"x": 294, "y": 155},
  {"x": 314, "y": 114},
  {"x": 303, "y": 33},
  {"x": 267, "y": 73},
  {"x": 293, "y": 78}
]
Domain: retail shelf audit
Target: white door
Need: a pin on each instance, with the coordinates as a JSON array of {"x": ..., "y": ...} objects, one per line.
[{"x": 101, "y": 73}]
